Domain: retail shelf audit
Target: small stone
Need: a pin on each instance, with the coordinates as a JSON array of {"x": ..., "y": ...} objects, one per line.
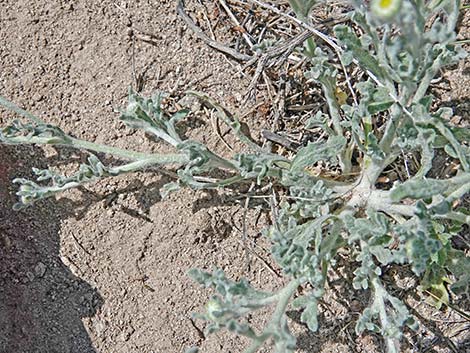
[
  {"x": 40, "y": 269},
  {"x": 206, "y": 195},
  {"x": 127, "y": 333},
  {"x": 30, "y": 276},
  {"x": 5, "y": 241},
  {"x": 99, "y": 327},
  {"x": 37, "y": 97}
]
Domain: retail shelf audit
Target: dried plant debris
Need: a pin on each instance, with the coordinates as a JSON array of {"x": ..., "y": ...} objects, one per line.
[{"x": 338, "y": 190}]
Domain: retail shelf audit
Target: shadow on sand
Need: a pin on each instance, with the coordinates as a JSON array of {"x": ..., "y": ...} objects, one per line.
[{"x": 42, "y": 302}]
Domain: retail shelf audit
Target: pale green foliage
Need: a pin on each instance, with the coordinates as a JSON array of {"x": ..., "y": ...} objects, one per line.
[
  {"x": 142, "y": 113},
  {"x": 302, "y": 8},
  {"x": 400, "y": 52},
  {"x": 31, "y": 191}
]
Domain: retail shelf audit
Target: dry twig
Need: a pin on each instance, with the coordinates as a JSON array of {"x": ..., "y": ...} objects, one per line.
[{"x": 206, "y": 39}]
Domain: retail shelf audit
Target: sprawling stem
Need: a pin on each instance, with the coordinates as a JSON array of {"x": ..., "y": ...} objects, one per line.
[
  {"x": 379, "y": 293},
  {"x": 458, "y": 193},
  {"x": 82, "y": 144},
  {"x": 333, "y": 108},
  {"x": 282, "y": 297},
  {"x": 231, "y": 122},
  {"x": 130, "y": 155},
  {"x": 455, "y": 216},
  {"x": 113, "y": 171},
  {"x": 426, "y": 81},
  {"x": 12, "y": 106},
  {"x": 175, "y": 158},
  {"x": 390, "y": 129},
  {"x": 380, "y": 200},
  {"x": 448, "y": 134}
]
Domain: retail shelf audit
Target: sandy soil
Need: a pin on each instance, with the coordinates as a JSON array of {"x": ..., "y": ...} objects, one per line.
[{"x": 103, "y": 269}]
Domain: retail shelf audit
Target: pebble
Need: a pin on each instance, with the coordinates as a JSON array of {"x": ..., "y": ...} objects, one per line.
[
  {"x": 40, "y": 269},
  {"x": 99, "y": 327},
  {"x": 30, "y": 276},
  {"x": 206, "y": 195},
  {"x": 37, "y": 97},
  {"x": 127, "y": 333}
]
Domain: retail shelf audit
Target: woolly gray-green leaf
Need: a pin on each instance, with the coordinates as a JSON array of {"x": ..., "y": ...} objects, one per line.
[
  {"x": 417, "y": 189},
  {"x": 317, "y": 151},
  {"x": 310, "y": 315},
  {"x": 353, "y": 44}
]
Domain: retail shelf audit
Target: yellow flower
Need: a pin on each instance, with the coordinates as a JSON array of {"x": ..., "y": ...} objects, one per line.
[{"x": 385, "y": 9}]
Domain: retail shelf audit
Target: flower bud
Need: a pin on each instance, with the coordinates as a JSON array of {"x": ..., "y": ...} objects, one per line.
[{"x": 385, "y": 9}]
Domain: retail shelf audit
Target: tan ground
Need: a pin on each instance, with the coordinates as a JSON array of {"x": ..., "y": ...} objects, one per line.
[{"x": 103, "y": 269}]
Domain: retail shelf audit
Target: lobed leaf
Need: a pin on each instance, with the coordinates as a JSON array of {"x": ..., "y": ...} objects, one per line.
[
  {"x": 317, "y": 151},
  {"x": 418, "y": 189}
]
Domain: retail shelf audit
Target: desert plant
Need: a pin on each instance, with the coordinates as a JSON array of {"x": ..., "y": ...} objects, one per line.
[{"x": 400, "y": 46}]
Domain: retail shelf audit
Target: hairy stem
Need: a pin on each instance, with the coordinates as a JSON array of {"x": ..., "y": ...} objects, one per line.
[
  {"x": 283, "y": 297},
  {"x": 12, "y": 106},
  {"x": 379, "y": 294},
  {"x": 82, "y": 144},
  {"x": 128, "y": 154},
  {"x": 380, "y": 200},
  {"x": 231, "y": 121},
  {"x": 455, "y": 216},
  {"x": 448, "y": 134},
  {"x": 333, "y": 108},
  {"x": 460, "y": 192},
  {"x": 390, "y": 129},
  {"x": 176, "y": 158}
]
